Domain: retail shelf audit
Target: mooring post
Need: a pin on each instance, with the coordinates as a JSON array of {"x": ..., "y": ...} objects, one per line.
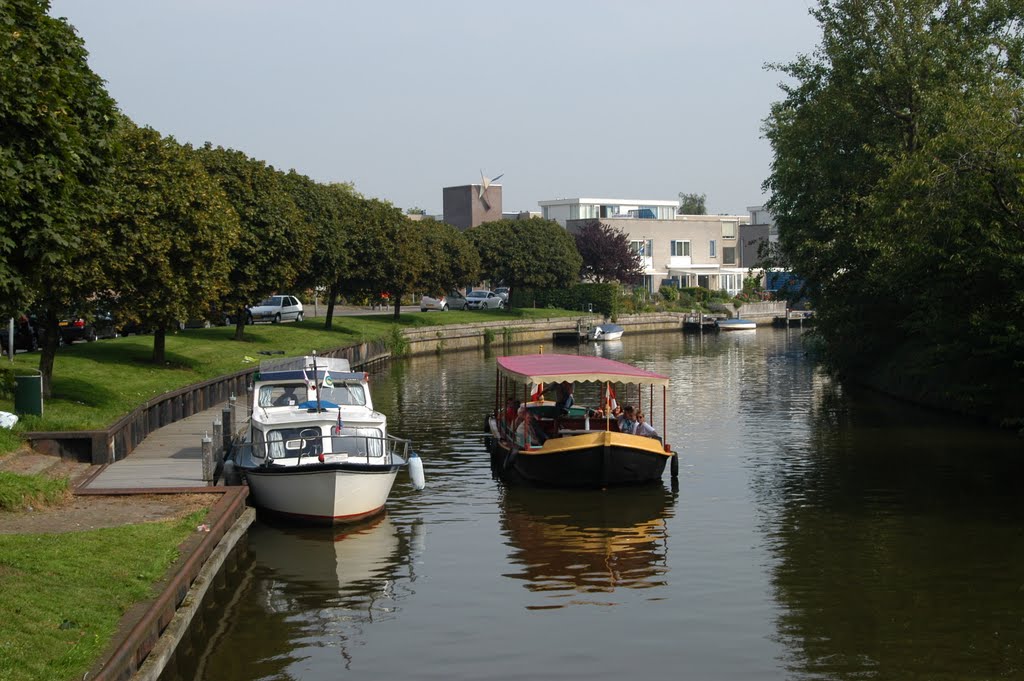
[
  {"x": 225, "y": 415},
  {"x": 207, "y": 459},
  {"x": 218, "y": 430}
]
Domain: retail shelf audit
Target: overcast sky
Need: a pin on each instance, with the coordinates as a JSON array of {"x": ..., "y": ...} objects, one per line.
[{"x": 610, "y": 99}]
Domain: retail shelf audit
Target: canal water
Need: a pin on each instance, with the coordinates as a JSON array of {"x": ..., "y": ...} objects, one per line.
[{"x": 814, "y": 533}]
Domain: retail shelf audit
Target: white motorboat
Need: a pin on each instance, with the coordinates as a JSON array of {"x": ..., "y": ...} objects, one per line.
[
  {"x": 317, "y": 449},
  {"x": 605, "y": 332},
  {"x": 735, "y": 324}
]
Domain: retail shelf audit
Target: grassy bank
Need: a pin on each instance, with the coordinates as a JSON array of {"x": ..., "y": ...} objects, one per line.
[
  {"x": 94, "y": 384},
  {"x": 18, "y": 492},
  {"x": 62, "y": 595}
]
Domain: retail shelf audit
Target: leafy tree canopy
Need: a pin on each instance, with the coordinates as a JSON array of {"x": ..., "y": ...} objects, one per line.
[
  {"x": 606, "y": 254},
  {"x": 897, "y": 186},
  {"x": 454, "y": 261},
  {"x": 56, "y": 120},
  {"x": 170, "y": 230},
  {"x": 532, "y": 253},
  {"x": 275, "y": 242},
  {"x": 692, "y": 204}
]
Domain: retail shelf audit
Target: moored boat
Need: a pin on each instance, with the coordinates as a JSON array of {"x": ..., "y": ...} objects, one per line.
[
  {"x": 317, "y": 449},
  {"x": 605, "y": 332},
  {"x": 556, "y": 442},
  {"x": 735, "y": 324}
]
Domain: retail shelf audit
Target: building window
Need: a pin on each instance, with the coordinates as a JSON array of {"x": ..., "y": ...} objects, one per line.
[
  {"x": 642, "y": 248},
  {"x": 713, "y": 249},
  {"x": 728, "y": 230},
  {"x": 681, "y": 248},
  {"x": 728, "y": 255}
]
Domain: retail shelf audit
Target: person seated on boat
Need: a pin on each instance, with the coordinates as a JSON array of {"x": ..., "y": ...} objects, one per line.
[
  {"x": 626, "y": 420},
  {"x": 564, "y": 399},
  {"x": 287, "y": 397},
  {"x": 527, "y": 431},
  {"x": 643, "y": 428}
]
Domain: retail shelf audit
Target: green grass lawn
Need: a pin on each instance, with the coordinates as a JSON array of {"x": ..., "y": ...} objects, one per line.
[
  {"x": 94, "y": 384},
  {"x": 18, "y": 491},
  {"x": 62, "y": 595}
]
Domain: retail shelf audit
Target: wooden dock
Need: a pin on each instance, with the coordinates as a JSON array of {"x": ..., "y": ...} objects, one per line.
[
  {"x": 700, "y": 323},
  {"x": 171, "y": 457},
  {"x": 798, "y": 318}
]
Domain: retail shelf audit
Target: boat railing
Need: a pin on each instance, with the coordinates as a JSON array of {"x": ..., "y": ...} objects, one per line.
[{"x": 371, "y": 448}]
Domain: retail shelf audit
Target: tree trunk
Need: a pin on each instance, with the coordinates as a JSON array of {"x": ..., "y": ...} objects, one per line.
[
  {"x": 48, "y": 349},
  {"x": 398, "y": 305},
  {"x": 240, "y": 319},
  {"x": 332, "y": 295},
  {"x": 160, "y": 343}
]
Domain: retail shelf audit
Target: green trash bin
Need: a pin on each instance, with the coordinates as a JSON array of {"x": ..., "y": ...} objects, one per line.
[{"x": 28, "y": 395}]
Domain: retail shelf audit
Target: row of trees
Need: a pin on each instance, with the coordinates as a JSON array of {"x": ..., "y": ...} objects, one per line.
[
  {"x": 96, "y": 210},
  {"x": 898, "y": 189}
]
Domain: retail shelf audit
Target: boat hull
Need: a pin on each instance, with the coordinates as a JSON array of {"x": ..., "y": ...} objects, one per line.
[
  {"x": 322, "y": 493},
  {"x": 736, "y": 325},
  {"x": 596, "y": 459}
]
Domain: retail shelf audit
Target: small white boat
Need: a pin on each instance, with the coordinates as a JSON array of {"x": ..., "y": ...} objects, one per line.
[
  {"x": 605, "y": 332},
  {"x": 317, "y": 448},
  {"x": 735, "y": 324}
]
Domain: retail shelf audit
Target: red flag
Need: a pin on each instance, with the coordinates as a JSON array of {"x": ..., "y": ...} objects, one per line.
[
  {"x": 608, "y": 403},
  {"x": 538, "y": 393}
]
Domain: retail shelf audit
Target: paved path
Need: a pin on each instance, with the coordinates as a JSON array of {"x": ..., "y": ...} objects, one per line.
[{"x": 169, "y": 457}]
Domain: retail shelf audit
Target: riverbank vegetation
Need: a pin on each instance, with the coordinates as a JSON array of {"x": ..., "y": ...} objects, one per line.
[
  {"x": 64, "y": 594},
  {"x": 898, "y": 190}
]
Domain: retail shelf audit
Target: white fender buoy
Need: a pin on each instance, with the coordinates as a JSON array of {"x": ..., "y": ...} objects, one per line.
[{"x": 419, "y": 481}]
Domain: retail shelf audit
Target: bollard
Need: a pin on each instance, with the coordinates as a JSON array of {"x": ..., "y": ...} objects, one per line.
[
  {"x": 228, "y": 432},
  {"x": 207, "y": 459},
  {"x": 232, "y": 403},
  {"x": 218, "y": 431}
]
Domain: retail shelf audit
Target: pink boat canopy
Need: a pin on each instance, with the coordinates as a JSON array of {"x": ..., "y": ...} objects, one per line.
[{"x": 536, "y": 369}]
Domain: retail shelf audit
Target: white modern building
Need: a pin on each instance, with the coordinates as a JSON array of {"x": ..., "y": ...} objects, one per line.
[{"x": 677, "y": 250}]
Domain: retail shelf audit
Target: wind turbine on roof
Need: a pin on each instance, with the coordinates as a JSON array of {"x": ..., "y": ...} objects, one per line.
[{"x": 485, "y": 182}]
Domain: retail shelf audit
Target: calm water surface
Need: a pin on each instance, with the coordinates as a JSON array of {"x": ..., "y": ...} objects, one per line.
[{"x": 815, "y": 533}]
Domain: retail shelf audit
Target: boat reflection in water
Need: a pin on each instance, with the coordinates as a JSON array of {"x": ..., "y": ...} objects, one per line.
[
  {"x": 314, "y": 590},
  {"x": 573, "y": 542},
  {"x": 612, "y": 349}
]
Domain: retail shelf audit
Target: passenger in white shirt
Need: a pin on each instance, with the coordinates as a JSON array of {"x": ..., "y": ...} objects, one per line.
[{"x": 644, "y": 428}]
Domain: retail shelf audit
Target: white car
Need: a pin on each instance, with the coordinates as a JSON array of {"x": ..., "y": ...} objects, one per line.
[
  {"x": 452, "y": 301},
  {"x": 484, "y": 300},
  {"x": 276, "y": 309}
]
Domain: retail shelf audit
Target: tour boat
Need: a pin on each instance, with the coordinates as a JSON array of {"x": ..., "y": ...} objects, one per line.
[
  {"x": 735, "y": 324},
  {"x": 605, "y": 332},
  {"x": 573, "y": 446},
  {"x": 317, "y": 449}
]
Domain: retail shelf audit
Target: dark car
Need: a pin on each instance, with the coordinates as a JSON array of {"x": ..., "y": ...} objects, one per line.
[
  {"x": 25, "y": 336},
  {"x": 77, "y": 328}
]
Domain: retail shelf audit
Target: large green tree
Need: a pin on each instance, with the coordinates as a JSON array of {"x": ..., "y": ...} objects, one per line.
[
  {"x": 692, "y": 204},
  {"x": 275, "y": 242},
  {"x": 453, "y": 260},
  {"x": 56, "y": 120},
  {"x": 897, "y": 186},
  {"x": 329, "y": 211},
  {"x": 534, "y": 253},
  {"x": 169, "y": 233},
  {"x": 380, "y": 246}
]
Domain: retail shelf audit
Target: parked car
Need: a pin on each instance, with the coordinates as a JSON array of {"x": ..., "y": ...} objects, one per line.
[
  {"x": 453, "y": 301},
  {"x": 276, "y": 309},
  {"x": 25, "y": 337},
  {"x": 484, "y": 300},
  {"x": 77, "y": 328},
  {"x": 503, "y": 292}
]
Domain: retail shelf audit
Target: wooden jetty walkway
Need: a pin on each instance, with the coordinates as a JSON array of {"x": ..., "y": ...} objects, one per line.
[{"x": 171, "y": 457}]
